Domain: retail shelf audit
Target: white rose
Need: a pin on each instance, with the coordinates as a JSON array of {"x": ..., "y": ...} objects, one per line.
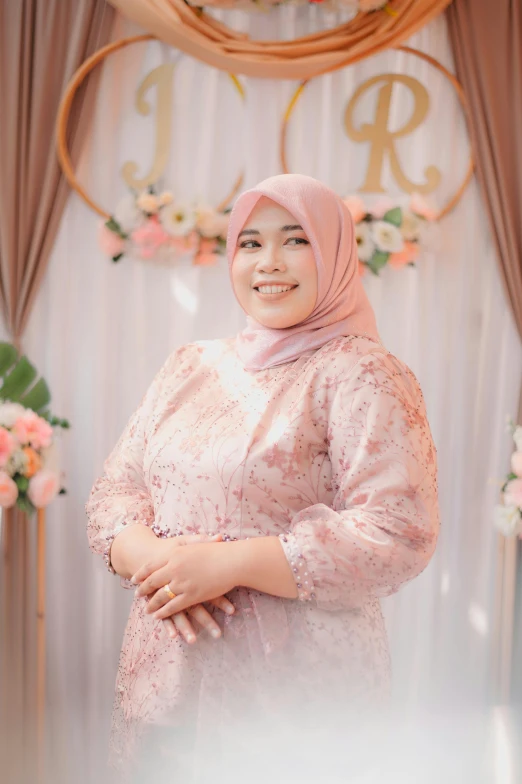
[
  {"x": 178, "y": 219},
  {"x": 517, "y": 438},
  {"x": 127, "y": 214},
  {"x": 16, "y": 464},
  {"x": 365, "y": 244},
  {"x": 507, "y": 520},
  {"x": 9, "y": 413},
  {"x": 387, "y": 237}
]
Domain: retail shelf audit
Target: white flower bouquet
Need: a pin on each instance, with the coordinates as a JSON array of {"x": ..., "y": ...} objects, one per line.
[{"x": 508, "y": 514}]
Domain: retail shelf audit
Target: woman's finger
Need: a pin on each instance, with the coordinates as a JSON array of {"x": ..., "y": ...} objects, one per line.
[
  {"x": 185, "y": 627},
  {"x": 147, "y": 569},
  {"x": 170, "y": 627},
  {"x": 222, "y": 603},
  {"x": 154, "y": 582},
  {"x": 202, "y": 616},
  {"x": 174, "y": 606}
]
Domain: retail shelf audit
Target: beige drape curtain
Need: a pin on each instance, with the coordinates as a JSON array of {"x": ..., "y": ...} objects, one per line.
[
  {"x": 41, "y": 45},
  {"x": 487, "y": 44},
  {"x": 202, "y": 37}
]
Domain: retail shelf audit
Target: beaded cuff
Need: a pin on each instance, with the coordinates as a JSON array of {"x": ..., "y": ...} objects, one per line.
[
  {"x": 302, "y": 576},
  {"x": 161, "y": 533}
]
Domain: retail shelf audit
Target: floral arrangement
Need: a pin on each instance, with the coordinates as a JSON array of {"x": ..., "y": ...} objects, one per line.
[
  {"x": 29, "y": 476},
  {"x": 157, "y": 227},
  {"x": 389, "y": 234},
  {"x": 358, "y": 6},
  {"x": 508, "y": 514}
]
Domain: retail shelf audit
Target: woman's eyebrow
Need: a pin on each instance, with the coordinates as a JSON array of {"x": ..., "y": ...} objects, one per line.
[
  {"x": 247, "y": 231},
  {"x": 292, "y": 227}
]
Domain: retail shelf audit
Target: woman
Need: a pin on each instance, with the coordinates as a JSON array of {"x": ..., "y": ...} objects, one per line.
[{"x": 302, "y": 446}]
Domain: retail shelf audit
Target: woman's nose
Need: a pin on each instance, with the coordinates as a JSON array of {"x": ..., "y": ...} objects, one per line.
[{"x": 272, "y": 260}]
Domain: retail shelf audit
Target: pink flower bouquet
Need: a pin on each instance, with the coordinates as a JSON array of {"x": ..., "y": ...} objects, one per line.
[
  {"x": 156, "y": 227},
  {"x": 388, "y": 234},
  {"x": 29, "y": 477}
]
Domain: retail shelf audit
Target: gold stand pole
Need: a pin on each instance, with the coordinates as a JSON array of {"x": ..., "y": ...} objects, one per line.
[
  {"x": 40, "y": 645},
  {"x": 504, "y": 616}
]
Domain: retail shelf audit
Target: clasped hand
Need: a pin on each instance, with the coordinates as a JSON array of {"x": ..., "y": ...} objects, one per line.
[{"x": 197, "y": 570}]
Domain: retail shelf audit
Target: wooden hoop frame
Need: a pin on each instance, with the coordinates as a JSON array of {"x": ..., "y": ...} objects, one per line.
[
  {"x": 65, "y": 110},
  {"x": 462, "y": 100}
]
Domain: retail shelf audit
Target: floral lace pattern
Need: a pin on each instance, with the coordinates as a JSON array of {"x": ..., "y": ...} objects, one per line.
[{"x": 333, "y": 454}]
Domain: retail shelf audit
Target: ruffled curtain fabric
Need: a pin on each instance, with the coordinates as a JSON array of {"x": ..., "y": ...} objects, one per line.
[
  {"x": 203, "y": 37},
  {"x": 41, "y": 45},
  {"x": 493, "y": 87}
]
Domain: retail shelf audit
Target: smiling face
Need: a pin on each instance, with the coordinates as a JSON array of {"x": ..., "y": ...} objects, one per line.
[{"x": 274, "y": 273}]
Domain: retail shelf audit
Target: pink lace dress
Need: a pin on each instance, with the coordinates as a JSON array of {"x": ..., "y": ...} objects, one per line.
[{"x": 333, "y": 454}]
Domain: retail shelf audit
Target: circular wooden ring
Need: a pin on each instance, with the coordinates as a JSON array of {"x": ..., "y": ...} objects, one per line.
[
  {"x": 462, "y": 100},
  {"x": 65, "y": 110}
]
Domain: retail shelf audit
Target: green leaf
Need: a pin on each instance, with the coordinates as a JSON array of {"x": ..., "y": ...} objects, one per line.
[
  {"x": 8, "y": 357},
  {"x": 22, "y": 483},
  {"x": 118, "y": 257},
  {"x": 378, "y": 261},
  {"x": 393, "y": 216},
  {"x": 18, "y": 380},
  {"x": 62, "y": 491},
  {"x": 37, "y": 397},
  {"x": 24, "y": 504}
]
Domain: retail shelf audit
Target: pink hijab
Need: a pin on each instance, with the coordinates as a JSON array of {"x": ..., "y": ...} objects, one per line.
[{"x": 342, "y": 307}]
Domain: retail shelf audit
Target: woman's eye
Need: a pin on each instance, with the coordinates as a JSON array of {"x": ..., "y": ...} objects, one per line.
[
  {"x": 250, "y": 244},
  {"x": 297, "y": 241}
]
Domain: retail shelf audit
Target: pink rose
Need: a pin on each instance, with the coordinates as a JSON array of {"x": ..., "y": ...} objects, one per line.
[
  {"x": 110, "y": 243},
  {"x": 43, "y": 487},
  {"x": 409, "y": 253},
  {"x": 7, "y": 444},
  {"x": 382, "y": 206},
  {"x": 33, "y": 430},
  {"x": 356, "y": 208},
  {"x": 8, "y": 491},
  {"x": 149, "y": 237},
  {"x": 513, "y": 493},
  {"x": 419, "y": 206},
  {"x": 516, "y": 463}
]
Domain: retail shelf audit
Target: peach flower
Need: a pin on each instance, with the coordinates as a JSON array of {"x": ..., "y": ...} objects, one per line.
[
  {"x": 148, "y": 202},
  {"x": 43, "y": 487},
  {"x": 149, "y": 238},
  {"x": 207, "y": 253},
  {"x": 516, "y": 463},
  {"x": 356, "y": 207},
  {"x": 513, "y": 493},
  {"x": 362, "y": 269},
  {"x": 382, "y": 206},
  {"x": 8, "y": 491},
  {"x": 409, "y": 253},
  {"x": 110, "y": 243},
  {"x": 33, "y": 461},
  {"x": 33, "y": 430},
  {"x": 7, "y": 444}
]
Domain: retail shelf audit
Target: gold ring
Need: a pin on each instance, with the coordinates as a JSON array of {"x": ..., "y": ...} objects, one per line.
[{"x": 167, "y": 589}]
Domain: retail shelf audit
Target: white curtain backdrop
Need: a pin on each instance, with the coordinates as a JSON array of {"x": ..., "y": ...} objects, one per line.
[{"x": 99, "y": 332}]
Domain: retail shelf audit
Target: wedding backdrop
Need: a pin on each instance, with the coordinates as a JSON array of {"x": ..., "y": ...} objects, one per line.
[{"x": 99, "y": 331}]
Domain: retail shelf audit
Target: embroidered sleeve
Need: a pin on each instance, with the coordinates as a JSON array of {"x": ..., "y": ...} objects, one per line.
[
  {"x": 382, "y": 527},
  {"x": 120, "y": 497}
]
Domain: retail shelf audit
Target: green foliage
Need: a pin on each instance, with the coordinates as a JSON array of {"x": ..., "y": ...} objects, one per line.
[
  {"x": 18, "y": 377},
  {"x": 378, "y": 261},
  {"x": 393, "y": 216}
]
